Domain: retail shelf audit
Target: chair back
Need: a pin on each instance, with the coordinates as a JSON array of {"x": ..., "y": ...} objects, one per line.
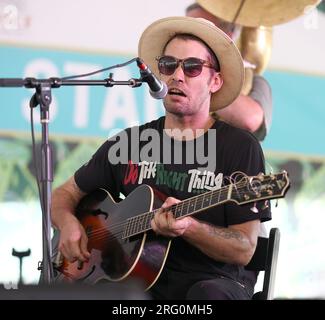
[{"x": 265, "y": 259}]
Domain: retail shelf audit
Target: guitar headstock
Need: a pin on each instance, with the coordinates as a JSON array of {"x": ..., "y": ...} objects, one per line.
[{"x": 255, "y": 188}]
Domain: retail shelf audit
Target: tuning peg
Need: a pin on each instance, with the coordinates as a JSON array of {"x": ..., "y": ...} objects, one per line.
[
  {"x": 260, "y": 176},
  {"x": 254, "y": 209},
  {"x": 276, "y": 203}
]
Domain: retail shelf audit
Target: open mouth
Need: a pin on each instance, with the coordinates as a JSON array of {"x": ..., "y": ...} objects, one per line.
[{"x": 176, "y": 92}]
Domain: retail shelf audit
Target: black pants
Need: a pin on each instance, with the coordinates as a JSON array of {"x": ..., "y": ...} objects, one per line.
[{"x": 173, "y": 285}]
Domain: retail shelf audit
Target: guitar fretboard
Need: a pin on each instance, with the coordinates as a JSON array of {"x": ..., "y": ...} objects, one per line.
[{"x": 141, "y": 223}]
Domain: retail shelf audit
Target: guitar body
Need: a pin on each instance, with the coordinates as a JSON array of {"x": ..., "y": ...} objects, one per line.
[
  {"x": 114, "y": 257},
  {"x": 120, "y": 241}
]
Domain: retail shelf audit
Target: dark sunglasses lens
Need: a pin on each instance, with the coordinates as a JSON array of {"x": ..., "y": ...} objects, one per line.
[
  {"x": 167, "y": 65},
  {"x": 192, "y": 67}
]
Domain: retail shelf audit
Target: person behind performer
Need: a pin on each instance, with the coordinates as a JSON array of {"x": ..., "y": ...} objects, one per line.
[
  {"x": 204, "y": 72},
  {"x": 252, "y": 111}
]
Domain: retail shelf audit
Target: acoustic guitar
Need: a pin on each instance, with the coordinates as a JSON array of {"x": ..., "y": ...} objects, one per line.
[{"x": 120, "y": 243}]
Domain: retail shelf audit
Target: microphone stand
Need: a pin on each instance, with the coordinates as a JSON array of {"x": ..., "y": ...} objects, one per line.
[{"x": 43, "y": 97}]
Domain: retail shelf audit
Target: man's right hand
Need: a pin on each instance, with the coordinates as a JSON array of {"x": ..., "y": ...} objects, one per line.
[{"x": 73, "y": 240}]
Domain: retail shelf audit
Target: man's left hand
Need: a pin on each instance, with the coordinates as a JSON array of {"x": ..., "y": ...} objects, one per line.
[{"x": 164, "y": 222}]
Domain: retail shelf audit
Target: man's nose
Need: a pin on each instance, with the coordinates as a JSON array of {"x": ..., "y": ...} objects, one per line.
[{"x": 179, "y": 73}]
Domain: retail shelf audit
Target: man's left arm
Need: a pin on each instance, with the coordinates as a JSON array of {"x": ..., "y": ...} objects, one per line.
[{"x": 234, "y": 244}]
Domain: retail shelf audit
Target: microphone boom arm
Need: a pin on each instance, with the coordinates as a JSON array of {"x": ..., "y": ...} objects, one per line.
[{"x": 58, "y": 82}]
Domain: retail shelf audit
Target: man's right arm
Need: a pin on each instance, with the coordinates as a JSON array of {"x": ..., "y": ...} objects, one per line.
[
  {"x": 252, "y": 112},
  {"x": 245, "y": 113},
  {"x": 73, "y": 238}
]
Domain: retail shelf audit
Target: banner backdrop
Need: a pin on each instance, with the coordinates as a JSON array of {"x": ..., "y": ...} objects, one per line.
[{"x": 299, "y": 100}]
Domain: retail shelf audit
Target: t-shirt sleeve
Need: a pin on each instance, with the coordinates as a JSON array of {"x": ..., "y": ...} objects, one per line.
[
  {"x": 261, "y": 92},
  {"x": 248, "y": 159},
  {"x": 97, "y": 172}
]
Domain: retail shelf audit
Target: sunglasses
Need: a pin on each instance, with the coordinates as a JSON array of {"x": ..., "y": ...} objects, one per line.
[{"x": 192, "y": 67}]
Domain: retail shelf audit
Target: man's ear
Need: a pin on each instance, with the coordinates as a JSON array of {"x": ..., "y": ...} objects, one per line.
[{"x": 217, "y": 82}]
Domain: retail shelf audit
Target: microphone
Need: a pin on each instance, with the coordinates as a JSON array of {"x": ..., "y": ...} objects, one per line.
[{"x": 158, "y": 89}]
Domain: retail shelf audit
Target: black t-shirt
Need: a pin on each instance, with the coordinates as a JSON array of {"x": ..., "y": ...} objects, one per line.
[{"x": 182, "y": 170}]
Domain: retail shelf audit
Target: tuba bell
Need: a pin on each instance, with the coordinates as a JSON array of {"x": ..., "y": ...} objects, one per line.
[{"x": 255, "y": 45}]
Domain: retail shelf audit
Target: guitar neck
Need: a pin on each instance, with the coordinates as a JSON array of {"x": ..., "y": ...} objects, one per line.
[
  {"x": 141, "y": 223},
  {"x": 247, "y": 189}
]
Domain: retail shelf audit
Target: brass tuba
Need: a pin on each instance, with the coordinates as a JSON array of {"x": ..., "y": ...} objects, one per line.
[{"x": 255, "y": 45}]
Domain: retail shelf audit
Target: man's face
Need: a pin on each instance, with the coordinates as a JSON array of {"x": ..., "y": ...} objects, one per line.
[{"x": 188, "y": 96}]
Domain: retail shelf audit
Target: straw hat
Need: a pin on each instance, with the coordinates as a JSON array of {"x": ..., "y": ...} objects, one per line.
[{"x": 156, "y": 35}]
